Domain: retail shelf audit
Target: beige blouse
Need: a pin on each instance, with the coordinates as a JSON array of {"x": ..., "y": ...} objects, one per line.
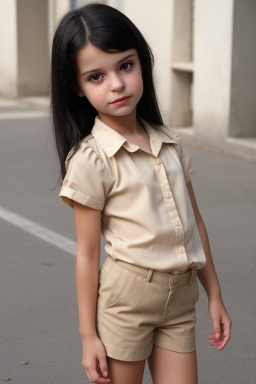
[{"x": 147, "y": 216}]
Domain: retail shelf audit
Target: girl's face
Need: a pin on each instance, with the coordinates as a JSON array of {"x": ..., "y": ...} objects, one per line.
[{"x": 105, "y": 78}]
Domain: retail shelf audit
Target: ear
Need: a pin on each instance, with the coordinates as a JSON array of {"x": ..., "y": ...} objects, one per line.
[{"x": 75, "y": 89}]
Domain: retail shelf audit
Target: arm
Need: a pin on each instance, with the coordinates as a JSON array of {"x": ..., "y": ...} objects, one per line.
[
  {"x": 87, "y": 266},
  {"x": 209, "y": 280},
  {"x": 207, "y": 276},
  {"x": 88, "y": 230}
]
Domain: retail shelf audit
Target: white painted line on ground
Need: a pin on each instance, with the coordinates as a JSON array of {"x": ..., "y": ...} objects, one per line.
[
  {"x": 23, "y": 115},
  {"x": 43, "y": 233}
]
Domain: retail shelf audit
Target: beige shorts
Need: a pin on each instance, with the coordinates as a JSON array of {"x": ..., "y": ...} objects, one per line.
[{"x": 138, "y": 307}]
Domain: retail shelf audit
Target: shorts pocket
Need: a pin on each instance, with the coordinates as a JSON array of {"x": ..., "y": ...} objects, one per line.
[{"x": 119, "y": 282}]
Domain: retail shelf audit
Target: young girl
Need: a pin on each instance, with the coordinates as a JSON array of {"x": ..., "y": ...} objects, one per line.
[{"x": 127, "y": 175}]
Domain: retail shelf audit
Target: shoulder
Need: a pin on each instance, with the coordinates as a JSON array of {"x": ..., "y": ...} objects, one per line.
[
  {"x": 168, "y": 132},
  {"x": 171, "y": 132},
  {"x": 176, "y": 140},
  {"x": 86, "y": 151}
]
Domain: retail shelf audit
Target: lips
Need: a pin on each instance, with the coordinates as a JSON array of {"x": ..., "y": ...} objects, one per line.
[{"x": 121, "y": 99}]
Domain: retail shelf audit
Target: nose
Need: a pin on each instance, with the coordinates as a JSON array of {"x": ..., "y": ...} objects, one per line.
[{"x": 117, "y": 83}]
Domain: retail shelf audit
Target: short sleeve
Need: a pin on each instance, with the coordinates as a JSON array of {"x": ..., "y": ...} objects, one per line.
[
  {"x": 189, "y": 168},
  {"x": 86, "y": 180}
]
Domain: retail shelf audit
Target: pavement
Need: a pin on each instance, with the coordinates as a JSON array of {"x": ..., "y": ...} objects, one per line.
[{"x": 39, "y": 317}]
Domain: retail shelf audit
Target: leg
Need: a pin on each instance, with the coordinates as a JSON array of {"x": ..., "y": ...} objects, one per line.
[
  {"x": 167, "y": 367},
  {"x": 125, "y": 372}
]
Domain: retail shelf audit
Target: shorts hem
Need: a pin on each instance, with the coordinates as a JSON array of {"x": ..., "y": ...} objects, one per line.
[
  {"x": 184, "y": 349},
  {"x": 124, "y": 355}
]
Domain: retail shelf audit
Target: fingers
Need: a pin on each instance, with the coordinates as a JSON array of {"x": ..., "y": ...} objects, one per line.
[
  {"x": 103, "y": 366},
  {"x": 92, "y": 373},
  {"x": 213, "y": 340},
  {"x": 220, "y": 334},
  {"x": 216, "y": 328},
  {"x": 226, "y": 333},
  {"x": 95, "y": 375},
  {"x": 95, "y": 360}
]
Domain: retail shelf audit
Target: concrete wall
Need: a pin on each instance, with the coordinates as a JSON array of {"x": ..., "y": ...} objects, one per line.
[
  {"x": 223, "y": 64},
  {"x": 8, "y": 43},
  {"x": 181, "y": 100},
  {"x": 56, "y": 9},
  {"x": 154, "y": 21},
  {"x": 213, "y": 28},
  {"x": 26, "y": 28},
  {"x": 119, "y": 4},
  {"x": 243, "y": 88},
  {"x": 33, "y": 52}
]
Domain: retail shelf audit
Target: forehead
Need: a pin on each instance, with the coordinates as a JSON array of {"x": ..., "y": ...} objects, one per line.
[{"x": 91, "y": 57}]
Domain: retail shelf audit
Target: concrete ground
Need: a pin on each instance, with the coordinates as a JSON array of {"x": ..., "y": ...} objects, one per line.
[{"x": 38, "y": 316}]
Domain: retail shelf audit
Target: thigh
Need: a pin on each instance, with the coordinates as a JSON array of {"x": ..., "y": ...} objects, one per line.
[
  {"x": 168, "y": 367},
  {"x": 125, "y": 372}
]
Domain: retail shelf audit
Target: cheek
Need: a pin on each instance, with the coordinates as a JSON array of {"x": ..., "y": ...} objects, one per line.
[
  {"x": 95, "y": 95},
  {"x": 137, "y": 77},
  {"x": 141, "y": 87},
  {"x": 138, "y": 84}
]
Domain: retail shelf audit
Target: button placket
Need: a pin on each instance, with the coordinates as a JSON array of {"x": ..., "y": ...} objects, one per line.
[{"x": 172, "y": 210}]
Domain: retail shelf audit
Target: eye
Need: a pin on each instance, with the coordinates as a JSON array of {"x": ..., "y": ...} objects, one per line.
[
  {"x": 95, "y": 78},
  {"x": 127, "y": 66}
]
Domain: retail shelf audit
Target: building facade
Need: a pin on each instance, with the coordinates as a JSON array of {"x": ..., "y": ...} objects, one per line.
[{"x": 205, "y": 64}]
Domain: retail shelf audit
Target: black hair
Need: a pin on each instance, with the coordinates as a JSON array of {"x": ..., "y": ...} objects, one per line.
[{"x": 107, "y": 29}]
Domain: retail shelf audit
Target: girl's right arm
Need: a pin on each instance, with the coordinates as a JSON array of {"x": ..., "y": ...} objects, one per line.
[{"x": 88, "y": 230}]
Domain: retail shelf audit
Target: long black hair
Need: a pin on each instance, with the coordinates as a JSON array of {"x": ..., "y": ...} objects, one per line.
[{"x": 107, "y": 29}]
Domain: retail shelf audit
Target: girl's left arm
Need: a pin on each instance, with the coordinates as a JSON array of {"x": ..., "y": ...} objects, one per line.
[{"x": 209, "y": 280}]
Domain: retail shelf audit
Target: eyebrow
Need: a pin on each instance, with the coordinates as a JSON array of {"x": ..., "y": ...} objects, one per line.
[{"x": 99, "y": 69}]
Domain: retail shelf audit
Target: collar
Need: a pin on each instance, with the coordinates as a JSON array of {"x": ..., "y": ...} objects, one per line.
[{"x": 111, "y": 140}]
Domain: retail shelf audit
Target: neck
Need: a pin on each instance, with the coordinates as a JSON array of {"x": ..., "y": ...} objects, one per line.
[{"x": 125, "y": 125}]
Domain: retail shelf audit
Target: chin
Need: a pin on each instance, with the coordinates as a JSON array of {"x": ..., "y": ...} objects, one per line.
[{"x": 120, "y": 113}]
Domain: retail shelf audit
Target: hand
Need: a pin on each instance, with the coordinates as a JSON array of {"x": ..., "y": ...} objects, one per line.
[
  {"x": 221, "y": 323},
  {"x": 95, "y": 360}
]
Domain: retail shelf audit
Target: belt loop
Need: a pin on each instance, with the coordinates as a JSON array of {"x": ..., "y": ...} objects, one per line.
[
  {"x": 193, "y": 275},
  {"x": 148, "y": 278}
]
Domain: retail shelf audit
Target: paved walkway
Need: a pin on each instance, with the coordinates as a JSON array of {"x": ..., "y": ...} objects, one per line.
[{"x": 38, "y": 317}]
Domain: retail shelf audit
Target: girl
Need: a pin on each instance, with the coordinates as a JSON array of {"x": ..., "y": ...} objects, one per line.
[{"x": 127, "y": 175}]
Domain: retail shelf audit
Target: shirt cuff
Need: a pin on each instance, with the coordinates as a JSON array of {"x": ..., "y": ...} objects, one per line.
[{"x": 67, "y": 195}]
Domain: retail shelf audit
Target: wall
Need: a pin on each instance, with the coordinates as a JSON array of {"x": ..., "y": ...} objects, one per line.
[
  {"x": 243, "y": 90},
  {"x": 8, "y": 43},
  {"x": 212, "y": 68},
  {"x": 153, "y": 19},
  {"x": 32, "y": 28}
]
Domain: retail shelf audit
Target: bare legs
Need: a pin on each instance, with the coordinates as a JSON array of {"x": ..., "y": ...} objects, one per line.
[
  {"x": 125, "y": 372},
  {"x": 168, "y": 367}
]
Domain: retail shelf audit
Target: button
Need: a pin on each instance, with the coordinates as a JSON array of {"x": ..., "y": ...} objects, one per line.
[
  {"x": 175, "y": 280},
  {"x": 168, "y": 194},
  {"x": 181, "y": 249},
  {"x": 158, "y": 161},
  {"x": 177, "y": 222}
]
